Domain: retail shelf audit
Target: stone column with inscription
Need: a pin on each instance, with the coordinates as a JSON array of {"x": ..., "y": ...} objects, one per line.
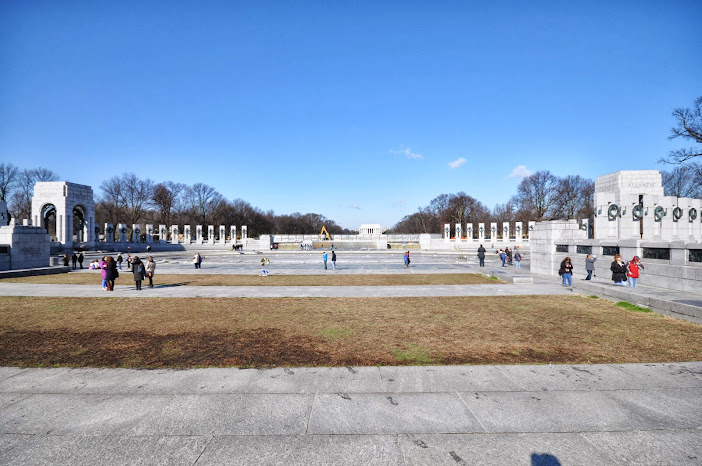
[
  {"x": 210, "y": 234},
  {"x": 505, "y": 232},
  {"x": 493, "y": 232},
  {"x": 109, "y": 233},
  {"x": 187, "y": 234},
  {"x": 162, "y": 234},
  {"x": 198, "y": 234},
  {"x": 122, "y": 230},
  {"x": 447, "y": 232},
  {"x": 136, "y": 233},
  {"x": 174, "y": 234},
  {"x": 469, "y": 232},
  {"x": 458, "y": 234},
  {"x": 222, "y": 234},
  {"x": 232, "y": 234},
  {"x": 149, "y": 233},
  {"x": 481, "y": 233},
  {"x": 518, "y": 232}
]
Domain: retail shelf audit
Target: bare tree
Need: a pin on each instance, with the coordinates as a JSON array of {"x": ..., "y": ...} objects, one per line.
[
  {"x": 683, "y": 181},
  {"x": 202, "y": 200},
  {"x": 689, "y": 128},
  {"x": 21, "y": 199},
  {"x": 126, "y": 198},
  {"x": 8, "y": 180},
  {"x": 536, "y": 194},
  {"x": 573, "y": 195},
  {"x": 167, "y": 198}
]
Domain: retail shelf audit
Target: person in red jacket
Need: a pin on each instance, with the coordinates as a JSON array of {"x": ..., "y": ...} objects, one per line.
[{"x": 633, "y": 268}]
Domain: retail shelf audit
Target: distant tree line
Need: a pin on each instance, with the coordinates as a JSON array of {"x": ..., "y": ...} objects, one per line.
[{"x": 133, "y": 200}]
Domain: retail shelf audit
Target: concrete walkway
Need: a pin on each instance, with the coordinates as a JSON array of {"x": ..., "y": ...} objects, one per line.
[{"x": 495, "y": 415}]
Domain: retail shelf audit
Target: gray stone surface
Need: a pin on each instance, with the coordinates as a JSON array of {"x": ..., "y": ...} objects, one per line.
[
  {"x": 654, "y": 448},
  {"x": 304, "y": 450},
  {"x": 446, "y": 378},
  {"x": 387, "y": 413},
  {"x": 502, "y": 449},
  {"x": 80, "y": 450},
  {"x": 316, "y": 380}
]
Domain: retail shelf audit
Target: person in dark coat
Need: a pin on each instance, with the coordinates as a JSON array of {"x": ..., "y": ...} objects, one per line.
[
  {"x": 111, "y": 273},
  {"x": 566, "y": 272},
  {"x": 80, "y": 259},
  {"x": 65, "y": 260},
  {"x": 618, "y": 269},
  {"x": 74, "y": 260},
  {"x": 138, "y": 270},
  {"x": 481, "y": 255}
]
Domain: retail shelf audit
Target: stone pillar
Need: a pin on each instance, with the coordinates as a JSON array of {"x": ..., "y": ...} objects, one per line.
[
  {"x": 481, "y": 232},
  {"x": 232, "y": 234},
  {"x": 505, "y": 231},
  {"x": 222, "y": 234},
  {"x": 518, "y": 232},
  {"x": 162, "y": 234},
  {"x": 122, "y": 229},
  {"x": 469, "y": 232},
  {"x": 243, "y": 236},
  {"x": 493, "y": 232},
  {"x": 210, "y": 234},
  {"x": 198, "y": 235},
  {"x": 149, "y": 233},
  {"x": 187, "y": 234},
  {"x": 109, "y": 233},
  {"x": 136, "y": 233},
  {"x": 530, "y": 228},
  {"x": 447, "y": 232},
  {"x": 174, "y": 234},
  {"x": 458, "y": 233}
]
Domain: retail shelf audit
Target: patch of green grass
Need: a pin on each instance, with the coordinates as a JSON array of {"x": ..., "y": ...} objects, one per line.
[
  {"x": 334, "y": 333},
  {"x": 492, "y": 277},
  {"x": 413, "y": 354},
  {"x": 594, "y": 296},
  {"x": 633, "y": 307}
]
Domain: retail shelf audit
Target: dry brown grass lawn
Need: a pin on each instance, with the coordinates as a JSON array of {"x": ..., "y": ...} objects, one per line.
[
  {"x": 263, "y": 332},
  {"x": 271, "y": 280}
]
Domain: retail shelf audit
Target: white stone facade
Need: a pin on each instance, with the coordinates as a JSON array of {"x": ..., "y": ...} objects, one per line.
[
  {"x": 23, "y": 247},
  {"x": 371, "y": 229},
  {"x": 71, "y": 203}
]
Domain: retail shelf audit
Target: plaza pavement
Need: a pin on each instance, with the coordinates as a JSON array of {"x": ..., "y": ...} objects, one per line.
[{"x": 532, "y": 415}]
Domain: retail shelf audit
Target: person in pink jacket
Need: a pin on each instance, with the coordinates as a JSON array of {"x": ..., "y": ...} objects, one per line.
[{"x": 103, "y": 273}]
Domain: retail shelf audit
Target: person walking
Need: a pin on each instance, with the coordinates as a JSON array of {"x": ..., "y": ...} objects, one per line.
[
  {"x": 119, "y": 260},
  {"x": 566, "y": 272},
  {"x": 481, "y": 255},
  {"x": 508, "y": 252},
  {"x": 74, "y": 260},
  {"x": 197, "y": 260},
  {"x": 590, "y": 265},
  {"x": 324, "y": 258},
  {"x": 503, "y": 257},
  {"x": 333, "y": 260},
  {"x": 150, "y": 270},
  {"x": 405, "y": 258},
  {"x": 80, "y": 259},
  {"x": 65, "y": 260},
  {"x": 618, "y": 269},
  {"x": 138, "y": 271},
  {"x": 518, "y": 260},
  {"x": 633, "y": 268},
  {"x": 103, "y": 272}
]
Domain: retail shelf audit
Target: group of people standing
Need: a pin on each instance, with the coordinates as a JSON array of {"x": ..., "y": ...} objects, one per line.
[
  {"x": 623, "y": 274},
  {"x": 333, "y": 259},
  {"x": 140, "y": 270}
]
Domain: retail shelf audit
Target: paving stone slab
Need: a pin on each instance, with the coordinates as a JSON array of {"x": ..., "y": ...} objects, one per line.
[
  {"x": 664, "y": 408},
  {"x": 663, "y": 375},
  {"x": 445, "y": 379},
  {"x": 232, "y": 414},
  {"x": 236, "y": 414},
  {"x": 654, "y": 448},
  {"x": 387, "y": 413},
  {"x": 306, "y": 450},
  {"x": 8, "y": 399},
  {"x": 33, "y": 380},
  {"x": 570, "y": 377},
  {"x": 500, "y": 449},
  {"x": 554, "y": 411},
  {"x": 7, "y": 372},
  {"x": 8, "y": 441},
  {"x": 315, "y": 380},
  {"x": 105, "y": 451}
]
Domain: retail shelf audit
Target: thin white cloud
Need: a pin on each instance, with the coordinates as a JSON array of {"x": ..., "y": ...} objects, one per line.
[
  {"x": 520, "y": 171},
  {"x": 457, "y": 163},
  {"x": 407, "y": 152},
  {"x": 399, "y": 203}
]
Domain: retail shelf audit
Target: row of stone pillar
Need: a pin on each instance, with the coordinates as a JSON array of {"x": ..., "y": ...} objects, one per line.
[
  {"x": 490, "y": 233},
  {"x": 189, "y": 234}
]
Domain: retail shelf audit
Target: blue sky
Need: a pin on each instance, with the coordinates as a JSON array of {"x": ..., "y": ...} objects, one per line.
[{"x": 360, "y": 111}]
